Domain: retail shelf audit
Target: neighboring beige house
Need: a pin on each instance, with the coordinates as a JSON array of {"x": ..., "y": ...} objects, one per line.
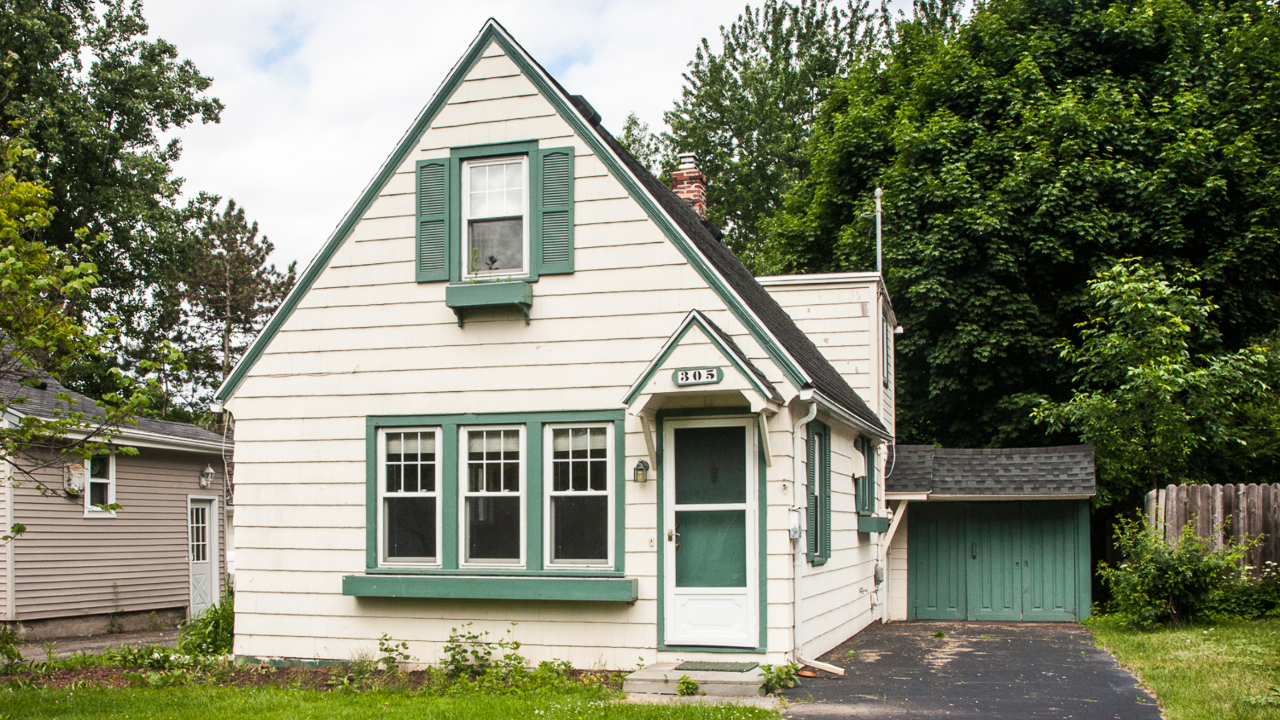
[
  {"x": 525, "y": 382},
  {"x": 82, "y": 570}
]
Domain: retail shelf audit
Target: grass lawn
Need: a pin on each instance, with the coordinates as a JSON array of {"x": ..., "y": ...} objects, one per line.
[
  {"x": 1218, "y": 672},
  {"x": 269, "y": 703}
]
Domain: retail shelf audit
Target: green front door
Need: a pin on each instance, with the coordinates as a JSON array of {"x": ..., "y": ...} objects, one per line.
[
  {"x": 710, "y": 561},
  {"x": 998, "y": 560}
]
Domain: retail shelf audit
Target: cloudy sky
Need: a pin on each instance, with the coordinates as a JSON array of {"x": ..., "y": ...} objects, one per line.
[{"x": 317, "y": 93}]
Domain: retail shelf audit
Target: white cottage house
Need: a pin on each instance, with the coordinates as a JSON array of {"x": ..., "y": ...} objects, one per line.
[{"x": 524, "y": 381}]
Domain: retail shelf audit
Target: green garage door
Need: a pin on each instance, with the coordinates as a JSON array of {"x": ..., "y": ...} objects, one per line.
[{"x": 998, "y": 560}]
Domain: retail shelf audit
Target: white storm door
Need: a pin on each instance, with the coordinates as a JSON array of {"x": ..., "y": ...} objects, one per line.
[
  {"x": 711, "y": 533},
  {"x": 202, "y": 544}
]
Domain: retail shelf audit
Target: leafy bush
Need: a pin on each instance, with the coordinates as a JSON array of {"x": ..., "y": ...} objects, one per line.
[
  {"x": 779, "y": 677},
  {"x": 212, "y": 632},
  {"x": 687, "y": 686},
  {"x": 1158, "y": 583},
  {"x": 10, "y": 657}
]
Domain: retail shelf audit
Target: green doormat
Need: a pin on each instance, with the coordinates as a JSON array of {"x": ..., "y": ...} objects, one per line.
[{"x": 718, "y": 666}]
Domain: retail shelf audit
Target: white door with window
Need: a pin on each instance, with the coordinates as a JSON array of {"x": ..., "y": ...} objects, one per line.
[
  {"x": 711, "y": 566},
  {"x": 202, "y": 543}
]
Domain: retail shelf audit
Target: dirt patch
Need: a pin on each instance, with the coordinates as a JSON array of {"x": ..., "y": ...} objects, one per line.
[{"x": 333, "y": 677}]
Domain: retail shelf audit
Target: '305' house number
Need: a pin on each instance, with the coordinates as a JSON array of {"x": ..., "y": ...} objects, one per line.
[{"x": 697, "y": 376}]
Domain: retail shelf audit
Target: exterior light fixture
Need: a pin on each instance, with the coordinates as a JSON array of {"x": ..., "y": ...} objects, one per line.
[
  {"x": 642, "y": 471},
  {"x": 206, "y": 477}
]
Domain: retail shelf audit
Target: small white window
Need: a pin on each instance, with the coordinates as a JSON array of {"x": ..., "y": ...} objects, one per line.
[
  {"x": 100, "y": 486},
  {"x": 492, "y": 496},
  {"x": 495, "y": 217},
  {"x": 408, "y": 491},
  {"x": 579, "y": 522},
  {"x": 198, "y": 533}
]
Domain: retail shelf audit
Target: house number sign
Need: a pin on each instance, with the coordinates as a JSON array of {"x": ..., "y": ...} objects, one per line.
[{"x": 697, "y": 376}]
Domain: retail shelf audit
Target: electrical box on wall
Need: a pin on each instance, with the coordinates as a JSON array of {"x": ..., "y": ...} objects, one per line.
[{"x": 73, "y": 478}]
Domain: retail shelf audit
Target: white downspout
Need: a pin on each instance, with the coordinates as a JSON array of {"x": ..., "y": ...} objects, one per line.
[{"x": 799, "y": 479}]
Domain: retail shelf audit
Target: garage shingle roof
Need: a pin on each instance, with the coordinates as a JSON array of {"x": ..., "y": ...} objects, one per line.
[{"x": 1063, "y": 470}]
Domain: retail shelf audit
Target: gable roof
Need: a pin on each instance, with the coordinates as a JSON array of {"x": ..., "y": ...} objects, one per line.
[
  {"x": 723, "y": 342},
  {"x": 696, "y": 239},
  {"x": 44, "y": 403},
  {"x": 1066, "y": 470}
]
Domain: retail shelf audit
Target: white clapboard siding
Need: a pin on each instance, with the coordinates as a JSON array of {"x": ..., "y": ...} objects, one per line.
[
  {"x": 898, "y": 557},
  {"x": 67, "y": 565},
  {"x": 6, "y": 550},
  {"x": 368, "y": 340}
]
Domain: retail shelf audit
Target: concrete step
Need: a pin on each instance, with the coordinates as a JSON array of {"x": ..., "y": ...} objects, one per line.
[{"x": 663, "y": 678}]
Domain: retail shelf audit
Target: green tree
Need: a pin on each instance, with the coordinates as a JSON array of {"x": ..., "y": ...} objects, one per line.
[
  {"x": 94, "y": 98},
  {"x": 746, "y": 111},
  {"x": 1142, "y": 398},
  {"x": 643, "y": 145},
  {"x": 1022, "y": 153},
  {"x": 231, "y": 292},
  {"x": 39, "y": 338}
]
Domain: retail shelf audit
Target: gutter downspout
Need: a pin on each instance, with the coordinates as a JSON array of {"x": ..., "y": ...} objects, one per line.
[{"x": 799, "y": 479}]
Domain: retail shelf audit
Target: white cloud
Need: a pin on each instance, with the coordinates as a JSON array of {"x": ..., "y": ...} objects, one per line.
[{"x": 317, "y": 93}]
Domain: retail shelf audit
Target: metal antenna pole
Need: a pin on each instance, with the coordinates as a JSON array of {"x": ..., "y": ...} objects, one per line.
[{"x": 879, "y": 247}]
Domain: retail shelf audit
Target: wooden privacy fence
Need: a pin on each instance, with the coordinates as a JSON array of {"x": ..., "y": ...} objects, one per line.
[{"x": 1221, "y": 513}]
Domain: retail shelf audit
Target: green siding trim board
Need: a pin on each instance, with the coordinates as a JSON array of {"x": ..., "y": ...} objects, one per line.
[
  {"x": 494, "y": 33},
  {"x": 493, "y": 588}
]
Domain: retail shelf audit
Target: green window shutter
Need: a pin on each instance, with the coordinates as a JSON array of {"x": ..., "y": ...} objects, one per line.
[
  {"x": 555, "y": 212},
  {"x": 812, "y": 533},
  {"x": 826, "y": 494},
  {"x": 432, "y": 254},
  {"x": 871, "y": 478}
]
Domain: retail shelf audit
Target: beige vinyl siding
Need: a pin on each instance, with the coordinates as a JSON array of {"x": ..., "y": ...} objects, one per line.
[
  {"x": 6, "y": 550},
  {"x": 834, "y": 605},
  {"x": 67, "y": 565},
  {"x": 368, "y": 340}
]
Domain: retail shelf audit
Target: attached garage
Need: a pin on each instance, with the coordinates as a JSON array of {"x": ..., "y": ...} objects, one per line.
[{"x": 992, "y": 534}]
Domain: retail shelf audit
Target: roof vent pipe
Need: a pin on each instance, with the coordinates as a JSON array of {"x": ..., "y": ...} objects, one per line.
[{"x": 690, "y": 184}]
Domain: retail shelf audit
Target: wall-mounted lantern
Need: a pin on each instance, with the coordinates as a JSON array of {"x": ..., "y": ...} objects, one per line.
[
  {"x": 206, "y": 477},
  {"x": 642, "y": 471}
]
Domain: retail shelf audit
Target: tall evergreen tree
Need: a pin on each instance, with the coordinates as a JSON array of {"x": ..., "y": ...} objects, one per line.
[
  {"x": 230, "y": 292},
  {"x": 1020, "y": 156}
]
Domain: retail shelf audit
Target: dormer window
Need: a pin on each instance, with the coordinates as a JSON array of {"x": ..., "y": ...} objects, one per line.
[{"x": 495, "y": 210}]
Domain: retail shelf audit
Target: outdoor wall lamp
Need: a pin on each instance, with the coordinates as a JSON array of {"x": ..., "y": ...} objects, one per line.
[
  {"x": 642, "y": 471},
  {"x": 206, "y": 477}
]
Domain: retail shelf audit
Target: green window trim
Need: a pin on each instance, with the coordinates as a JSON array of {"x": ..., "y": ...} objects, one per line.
[
  {"x": 865, "y": 487},
  {"x": 438, "y": 251},
  {"x": 492, "y": 588},
  {"x": 819, "y": 502},
  {"x": 448, "y": 553}
]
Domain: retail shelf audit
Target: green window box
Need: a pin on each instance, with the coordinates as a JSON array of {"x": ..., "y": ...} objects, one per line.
[
  {"x": 868, "y": 524},
  {"x": 472, "y": 587},
  {"x": 465, "y": 296}
]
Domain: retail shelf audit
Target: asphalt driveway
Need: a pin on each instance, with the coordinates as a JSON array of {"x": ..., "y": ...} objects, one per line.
[{"x": 990, "y": 670}]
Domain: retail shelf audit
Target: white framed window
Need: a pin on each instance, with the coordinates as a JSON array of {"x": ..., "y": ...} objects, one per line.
[
  {"x": 495, "y": 217},
  {"x": 492, "y": 498},
  {"x": 100, "y": 485},
  {"x": 578, "y": 467},
  {"x": 409, "y": 496}
]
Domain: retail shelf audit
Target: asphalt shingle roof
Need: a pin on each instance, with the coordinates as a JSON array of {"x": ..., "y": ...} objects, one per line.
[
  {"x": 1063, "y": 470},
  {"x": 706, "y": 238},
  {"x": 45, "y": 403}
]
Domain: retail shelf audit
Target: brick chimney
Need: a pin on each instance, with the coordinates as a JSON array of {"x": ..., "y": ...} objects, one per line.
[{"x": 690, "y": 184}]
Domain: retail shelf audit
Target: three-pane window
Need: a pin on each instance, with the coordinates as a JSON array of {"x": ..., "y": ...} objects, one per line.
[
  {"x": 409, "y": 496},
  {"x": 578, "y": 502},
  {"x": 495, "y": 205},
  {"x": 493, "y": 496}
]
